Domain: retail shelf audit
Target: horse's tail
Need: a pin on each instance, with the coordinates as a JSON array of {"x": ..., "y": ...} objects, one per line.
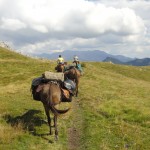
[
  {"x": 57, "y": 111},
  {"x": 53, "y": 108}
]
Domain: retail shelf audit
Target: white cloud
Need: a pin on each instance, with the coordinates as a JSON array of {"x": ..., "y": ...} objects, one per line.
[
  {"x": 11, "y": 24},
  {"x": 75, "y": 24},
  {"x": 120, "y": 21},
  {"x": 139, "y": 50},
  {"x": 40, "y": 28}
]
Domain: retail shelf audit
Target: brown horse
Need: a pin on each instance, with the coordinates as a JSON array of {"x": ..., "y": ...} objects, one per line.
[
  {"x": 59, "y": 68},
  {"x": 73, "y": 74},
  {"x": 50, "y": 95}
]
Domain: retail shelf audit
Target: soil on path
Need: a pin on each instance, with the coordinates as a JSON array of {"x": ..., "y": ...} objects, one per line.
[{"x": 76, "y": 129}]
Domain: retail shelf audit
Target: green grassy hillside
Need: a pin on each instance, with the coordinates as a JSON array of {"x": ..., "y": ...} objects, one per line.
[{"x": 111, "y": 111}]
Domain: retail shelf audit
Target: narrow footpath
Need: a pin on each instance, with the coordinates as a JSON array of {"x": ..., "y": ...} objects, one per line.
[{"x": 76, "y": 130}]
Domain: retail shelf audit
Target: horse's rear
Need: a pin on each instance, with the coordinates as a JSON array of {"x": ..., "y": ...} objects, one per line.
[
  {"x": 51, "y": 96},
  {"x": 51, "y": 93},
  {"x": 59, "y": 68},
  {"x": 73, "y": 74}
]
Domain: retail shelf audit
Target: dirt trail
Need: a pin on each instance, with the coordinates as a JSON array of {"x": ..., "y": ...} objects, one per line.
[{"x": 75, "y": 132}]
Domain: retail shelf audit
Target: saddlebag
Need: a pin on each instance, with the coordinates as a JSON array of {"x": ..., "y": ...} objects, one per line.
[
  {"x": 66, "y": 96},
  {"x": 34, "y": 88}
]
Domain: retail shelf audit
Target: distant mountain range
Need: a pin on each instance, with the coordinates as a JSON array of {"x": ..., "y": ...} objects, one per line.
[
  {"x": 135, "y": 62},
  {"x": 97, "y": 56},
  {"x": 113, "y": 60},
  {"x": 139, "y": 62}
]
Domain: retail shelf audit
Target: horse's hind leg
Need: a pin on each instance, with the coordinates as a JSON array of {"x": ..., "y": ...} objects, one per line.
[
  {"x": 77, "y": 93},
  {"x": 48, "y": 118},
  {"x": 77, "y": 88},
  {"x": 55, "y": 126}
]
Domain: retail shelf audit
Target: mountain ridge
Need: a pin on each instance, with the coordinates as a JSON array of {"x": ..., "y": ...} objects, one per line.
[
  {"x": 95, "y": 55},
  {"x": 136, "y": 62}
]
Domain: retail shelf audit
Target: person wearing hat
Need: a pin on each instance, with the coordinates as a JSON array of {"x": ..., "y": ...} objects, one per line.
[{"x": 76, "y": 59}]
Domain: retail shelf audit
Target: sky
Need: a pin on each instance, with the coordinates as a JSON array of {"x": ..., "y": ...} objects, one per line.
[{"x": 118, "y": 27}]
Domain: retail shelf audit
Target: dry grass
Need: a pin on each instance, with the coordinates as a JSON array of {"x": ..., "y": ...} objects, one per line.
[{"x": 8, "y": 133}]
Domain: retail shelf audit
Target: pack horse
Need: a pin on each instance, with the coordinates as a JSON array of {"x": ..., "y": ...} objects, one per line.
[{"x": 49, "y": 92}]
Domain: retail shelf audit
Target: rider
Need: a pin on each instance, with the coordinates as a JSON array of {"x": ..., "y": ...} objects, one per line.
[
  {"x": 76, "y": 61},
  {"x": 60, "y": 60}
]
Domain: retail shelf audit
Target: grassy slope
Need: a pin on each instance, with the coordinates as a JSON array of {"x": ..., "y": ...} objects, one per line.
[
  {"x": 113, "y": 104},
  {"x": 116, "y": 106},
  {"x": 21, "y": 118}
]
